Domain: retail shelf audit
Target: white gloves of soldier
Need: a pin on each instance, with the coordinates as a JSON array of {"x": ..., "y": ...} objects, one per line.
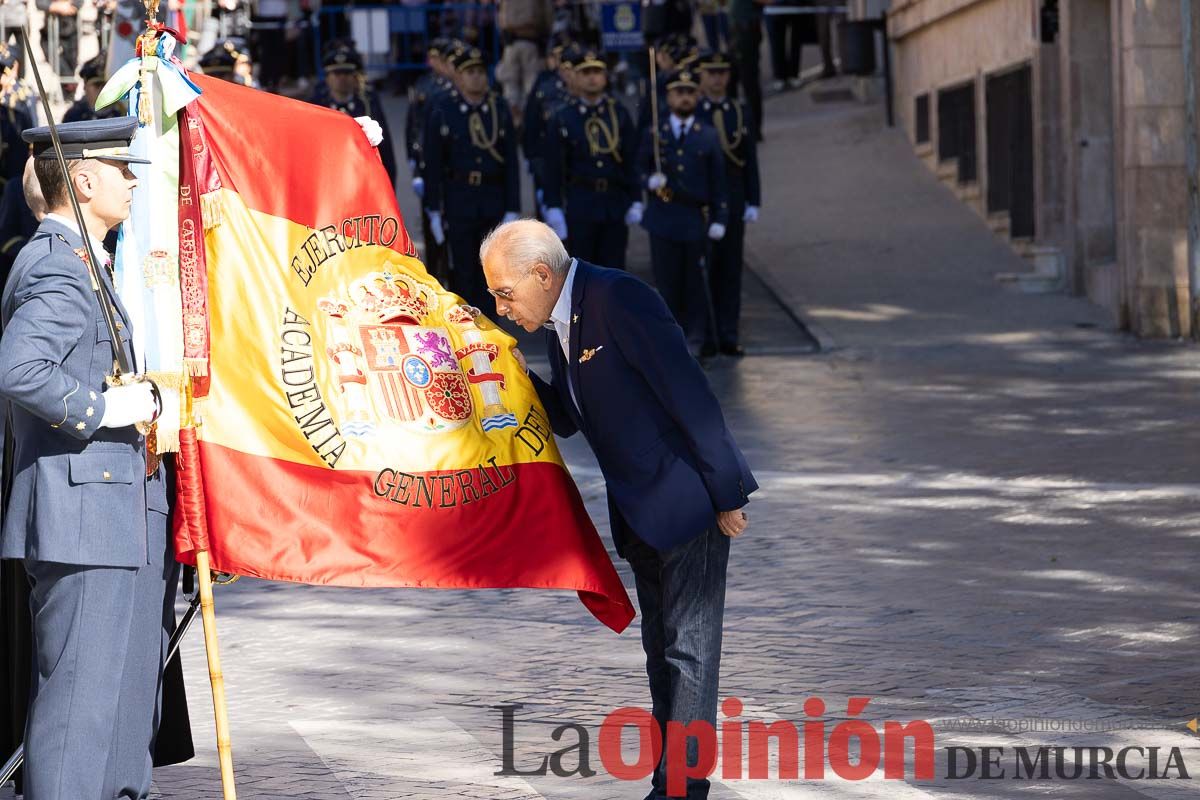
[
  {"x": 418, "y": 187},
  {"x": 435, "y": 227},
  {"x": 372, "y": 130},
  {"x": 751, "y": 214},
  {"x": 557, "y": 222},
  {"x": 128, "y": 405},
  {"x": 634, "y": 215},
  {"x": 716, "y": 231},
  {"x": 511, "y": 216},
  {"x": 656, "y": 181}
]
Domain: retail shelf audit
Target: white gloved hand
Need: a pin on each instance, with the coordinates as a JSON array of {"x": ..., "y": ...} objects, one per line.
[
  {"x": 128, "y": 405},
  {"x": 540, "y": 194},
  {"x": 656, "y": 181},
  {"x": 412, "y": 165},
  {"x": 751, "y": 214},
  {"x": 634, "y": 215},
  {"x": 716, "y": 231},
  {"x": 511, "y": 216},
  {"x": 557, "y": 222},
  {"x": 435, "y": 227},
  {"x": 372, "y": 129},
  {"x": 418, "y": 187}
]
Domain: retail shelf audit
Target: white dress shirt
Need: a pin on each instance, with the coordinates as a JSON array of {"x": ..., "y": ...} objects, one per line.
[
  {"x": 679, "y": 125},
  {"x": 560, "y": 316}
]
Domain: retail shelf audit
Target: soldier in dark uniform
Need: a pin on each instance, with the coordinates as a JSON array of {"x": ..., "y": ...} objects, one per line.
[
  {"x": 734, "y": 126},
  {"x": 17, "y": 112},
  {"x": 549, "y": 88},
  {"x": 472, "y": 180},
  {"x": 93, "y": 75},
  {"x": 590, "y": 169},
  {"x": 420, "y": 95},
  {"x": 688, "y": 205},
  {"x": 345, "y": 90},
  {"x": 219, "y": 62}
]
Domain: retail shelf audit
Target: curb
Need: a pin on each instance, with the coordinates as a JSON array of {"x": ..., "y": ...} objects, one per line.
[{"x": 822, "y": 336}]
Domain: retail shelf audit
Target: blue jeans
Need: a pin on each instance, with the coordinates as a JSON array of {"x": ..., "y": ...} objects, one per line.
[{"x": 681, "y": 593}]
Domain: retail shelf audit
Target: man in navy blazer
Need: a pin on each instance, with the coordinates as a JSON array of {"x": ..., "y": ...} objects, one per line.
[{"x": 677, "y": 482}]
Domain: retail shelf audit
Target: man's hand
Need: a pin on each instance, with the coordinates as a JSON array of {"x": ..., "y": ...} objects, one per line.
[
  {"x": 656, "y": 181},
  {"x": 716, "y": 231},
  {"x": 634, "y": 215},
  {"x": 557, "y": 222},
  {"x": 128, "y": 405},
  {"x": 733, "y": 523},
  {"x": 372, "y": 129},
  {"x": 418, "y": 187},
  {"x": 511, "y": 216},
  {"x": 435, "y": 227},
  {"x": 750, "y": 214}
]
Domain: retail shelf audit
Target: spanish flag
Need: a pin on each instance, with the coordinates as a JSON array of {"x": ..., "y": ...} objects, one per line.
[{"x": 355, "y": 423}]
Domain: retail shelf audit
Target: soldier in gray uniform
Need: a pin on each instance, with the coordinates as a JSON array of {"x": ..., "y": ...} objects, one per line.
[{"x": 86, "y": 516}]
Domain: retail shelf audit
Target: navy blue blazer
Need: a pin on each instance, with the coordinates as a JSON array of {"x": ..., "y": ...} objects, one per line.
[{"x": 648, "y": 413}]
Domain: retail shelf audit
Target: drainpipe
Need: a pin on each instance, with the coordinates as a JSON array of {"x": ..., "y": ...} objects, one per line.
[{"x": 1190, "y": 132}]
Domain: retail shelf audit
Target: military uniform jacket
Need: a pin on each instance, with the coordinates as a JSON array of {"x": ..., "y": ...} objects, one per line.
[
  {"x": 364, "y": 104},
  {"x": 79, "y": 493},
  {"x": 695, "y": 170},
  {"x": 471, "y": 168},
  {"x": 423, "y": 92},
  {"x": 549, "y": 92},
  {"x": 735, "y": 132},
  {"x": 591, "y": 154}
]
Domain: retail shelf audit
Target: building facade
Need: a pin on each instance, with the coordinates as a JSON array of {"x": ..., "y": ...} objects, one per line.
[{"x": 1068, "y": 125}]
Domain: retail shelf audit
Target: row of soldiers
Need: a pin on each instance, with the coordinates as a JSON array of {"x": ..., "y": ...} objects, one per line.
[{"x": 692, "y": 182}]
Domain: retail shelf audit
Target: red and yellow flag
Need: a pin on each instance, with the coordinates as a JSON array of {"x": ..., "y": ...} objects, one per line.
[{"x": 361, "y": 425}]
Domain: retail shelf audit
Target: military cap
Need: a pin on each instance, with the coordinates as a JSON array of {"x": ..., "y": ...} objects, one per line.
[
  {"x": 220, "y": 60},
  {"x": 713, "y": 61},
  {"x": 439, "y": 47},
  {"x": 681, "y": 79},
  {"x": 572, "y": 54},
  {"x": 94, "y": 138},
  {"x": 95, "y": 68},
  {"x": 342, "y": 57},
  {"x": 467, "y": 57},
  {"x": 590, "y": 58},
  {"x": 10, "y": 54}
]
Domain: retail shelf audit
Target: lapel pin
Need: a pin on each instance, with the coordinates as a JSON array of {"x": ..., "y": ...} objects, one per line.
[{"x": 587, "y": 354}]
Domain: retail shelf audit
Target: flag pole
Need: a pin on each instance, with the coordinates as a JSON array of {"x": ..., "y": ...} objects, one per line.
[{"x": 216, "y": 677}]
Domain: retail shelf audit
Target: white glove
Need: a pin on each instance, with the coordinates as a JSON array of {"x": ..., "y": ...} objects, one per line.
[
  {"x": 557, "y": 222},
  {"x": 751, "y": 214},
  {"x": 418, "y": 186},
  {"x": 372, "y": 130},
  {"x": 656, "y": 181},
  {"x": 435, "y": 227},
  {"x": 634, "y": 215},
  {"x": 511, "y": 216},
  {"x": 128, "y": 405},
  {"x": 716, "y": 231},
  {"x": 541, "y": 197}
]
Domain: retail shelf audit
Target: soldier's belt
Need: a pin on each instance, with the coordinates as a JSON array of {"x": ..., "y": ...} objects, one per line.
[
  {"x": 595, "y": 184},
  {"x": 684, "y": 199},
  {"x": 477, "y": 178}
]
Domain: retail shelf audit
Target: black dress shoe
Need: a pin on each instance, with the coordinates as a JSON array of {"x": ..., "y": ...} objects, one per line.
[{"x": 735, "y": 350}]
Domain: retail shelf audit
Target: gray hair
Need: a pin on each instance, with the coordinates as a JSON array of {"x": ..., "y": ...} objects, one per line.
[{"x": 525, "y": 242}]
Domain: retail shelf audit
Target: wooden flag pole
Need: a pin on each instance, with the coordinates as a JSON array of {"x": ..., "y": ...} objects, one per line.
[{"x": 215, "y": 677}]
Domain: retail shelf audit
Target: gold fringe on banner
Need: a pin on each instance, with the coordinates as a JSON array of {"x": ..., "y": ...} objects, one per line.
[
  {"x": 210, "y": 209},
  {"x": 196, "y": 367}
]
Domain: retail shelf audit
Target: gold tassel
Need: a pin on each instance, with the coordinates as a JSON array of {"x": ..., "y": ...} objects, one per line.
[
  {"x": 210, "y": 210},
  {"x": 196, "y": 367}
]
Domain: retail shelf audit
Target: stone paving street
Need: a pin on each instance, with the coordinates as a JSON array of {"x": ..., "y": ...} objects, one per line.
[{"x": 978, "y": 508}]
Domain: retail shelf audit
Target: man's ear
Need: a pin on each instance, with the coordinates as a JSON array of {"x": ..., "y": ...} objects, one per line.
[{"x": 84, "y": 182}]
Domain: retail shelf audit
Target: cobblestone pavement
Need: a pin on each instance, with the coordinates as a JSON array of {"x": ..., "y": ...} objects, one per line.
[{"x": 978, "y": 509}]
